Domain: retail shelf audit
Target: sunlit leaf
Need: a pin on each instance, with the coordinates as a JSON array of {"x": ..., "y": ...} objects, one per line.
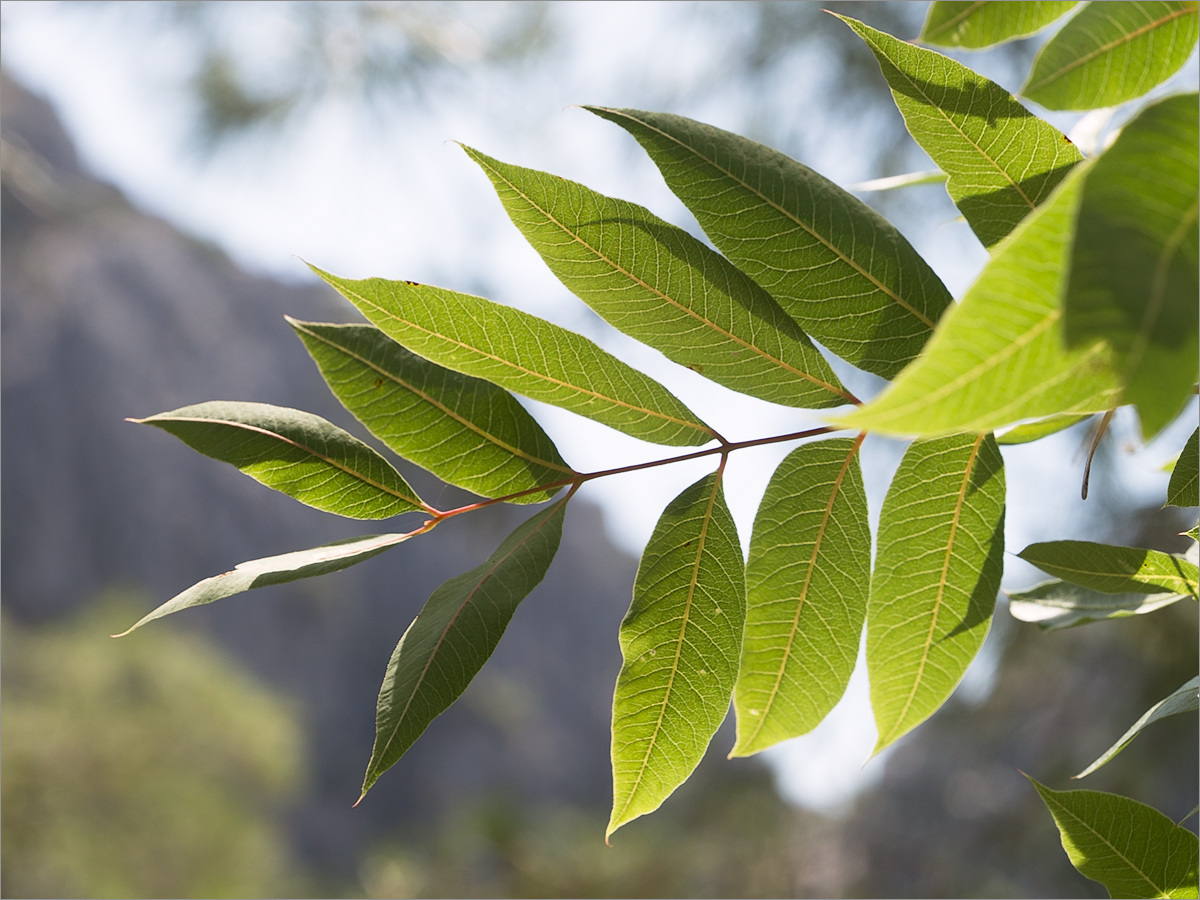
[
  {"x": 1112, "y": 569},
  {"x": 296, "y": 453},
  {"x": 974, "y": 24},
  {"x": 1130, "y": 848},
  {"x": 276, "y": 570},
  {"x": 454, "y": 634},
  {"x": 1112, "y": 52},
  {"x": 835, "y": 265},
  {"x": 1184, "y": 487},
  {"x": 891, "y": 182},
  {"x": 681, "y": 640},
  {"x": 999, "y": 355},
  {"x": 524, "y": 354},
  {"x": 465, "y": 430},
  {"x": 1185, "y": 698},
  {"x": 658, "y": 284},
  {"x": 1035, "y": 431},
  {"x": 807, "y": 581},
  {"x": 1134, "y": 278},
  {"x": 938, "y": 563},
  {"x": 1002, "y": 161},
  {"x": 1052, "y": 605}
]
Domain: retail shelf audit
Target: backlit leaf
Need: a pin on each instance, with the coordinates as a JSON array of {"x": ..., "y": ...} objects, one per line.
[
  {"x": 974, "y": 24},
  {"x": 1052, "y": 605},
  {"x": 807, "y": 581},
  {"x": 680, "y": 640},
  {"x": 658, "y": 284},
  {"x": 1114, "y": 570},
  {"x": 1185, "y": 698},
  {"x": 1002, "y": 161},
  {"x": 937, "y": 572},
  {"x": 454, "y": 634},
  {"x": 1130, "y": 848},
  {"x": 1112, "y": 52},
  {"x": 524, "y": 354},
  {"x": 1184, "y": 487},
  {"x": 296, "y": 453},
  {"x": 1035, "y": 431},
  {"x": 837, "y": 267}
]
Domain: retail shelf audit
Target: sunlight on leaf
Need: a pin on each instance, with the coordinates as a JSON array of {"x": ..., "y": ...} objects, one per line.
[
  {"x": 1184, "y": 487},
  {"x": 1185, "y": 698},
  {"x": 1053, "y": 605},
  {"x": 972, "y": 25},
  {"x": 1114, "y": 570}
]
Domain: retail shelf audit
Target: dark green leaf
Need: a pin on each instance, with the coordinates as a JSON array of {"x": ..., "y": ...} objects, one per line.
[
  {"x": 1184, "y": 487},
  {"x": 296, "y": 453},
  {"x": 1185, "y": 698},
  {"x": 1052, "y": 605},
  {"x": 1114, "y": 570},
  {"x": 973, "y": 24}
]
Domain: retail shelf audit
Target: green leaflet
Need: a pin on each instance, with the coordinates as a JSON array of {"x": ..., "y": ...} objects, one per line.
[
  {"x": 999, "y": 356},
  {"x": 1112, "y": 52},
  {"x": 1184, "y": 487},
  {"x": 1114, "y": 570},
  {"x": 1035, "y": 431},
  {"x": 807, "y": 581},
  {"x": 276, "y": 570},
  {"x": 1130, "y": 848},
  {"x": 1134, "y": 261},
  {"x": 658, "y": 284},
  {"x": 937, "y": 572},
  {"x": 1052, "y": 605},
  {"x": 454, "y": 634},
  {"x": 1002, "y": 161},
  {"x": 523, "y": 354},
  {"x": 835, "y": 265},
  {"x": 1185, "y": 698},
  {"x": 974, "y": 24},
  {"x": 296, "y": 453},
  {"x": 680, "y": 640},
  {"x": 465, "y": 430}
]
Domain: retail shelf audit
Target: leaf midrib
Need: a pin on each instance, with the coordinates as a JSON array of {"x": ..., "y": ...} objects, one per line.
[
  {"x": 955, "y": 20},
  {"x": 1162, "y": 891}
]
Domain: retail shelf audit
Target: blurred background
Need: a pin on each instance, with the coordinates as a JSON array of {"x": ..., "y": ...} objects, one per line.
[{"x": 164, "y": 165}]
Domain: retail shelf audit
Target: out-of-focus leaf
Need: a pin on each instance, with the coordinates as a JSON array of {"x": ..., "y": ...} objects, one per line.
[
  {"x": 912, "y": 179},
  {"x": 1114, "y": 570},
  {"x": 973, "y": 24},
  {"x": 1035, "y": 431},
  {"x": 276, "y": 570},
  {"x": 465, "y": 430},
  {"x": 1185, "y": 698},
  {"x": 1130, "y": 848},
  {"x": 940, "y": 554},
  {"x": 1134, "y": 262},
  {"x": 658, "y": 284},
  {"x": 454, "y": 634},
  {"x": 1002, "y": 161},
  {"x": 1052, "y": 605},
  {"x": 999, "y": 355},
  {"x": 1112, "y": 52},
  {"x": 1184, "y": 486},
  {"x": 524, "y": 354},
  {"x": 835, "y": 265},
  {"x": 680, "y": 640},
  {"x": 807, "y": 581},
  {"x": 296, "y": 453}
]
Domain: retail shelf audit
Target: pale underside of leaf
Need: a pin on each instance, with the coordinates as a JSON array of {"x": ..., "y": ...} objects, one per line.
[
  {"x": 1185, "y": 698},
  {"x": 1053, "y": 605},
  {"x": 1034, "y": 431},
  {"x": 1113, "y": 569},
  {"x": 977, "y": 24}
]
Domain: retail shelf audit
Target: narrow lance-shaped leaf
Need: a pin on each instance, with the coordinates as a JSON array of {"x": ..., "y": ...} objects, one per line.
[
  {"x": 524, "y": 354},
  {"x": 1130, "y": 848},
  {"x": 1114, "y": 570},
  {"x": 454, "y": 634},
  {"x": 1185, "y": 698},
  {"x": 999, "y": 355},
  {"x": 837, "y": 267},
  {"x": 807, "y": 581},
  {"x": 1112, "y": 52},
  {"x": 658, "y": 284},
  {"x": 680, "y": 641},
  {"x": 939, "y": 557},
  {"x": 1134, "y": 262},
  {"x": 1184, "y": 487},
  {"x": 1052, "y": 605},
  {"x": 465, "y": 430},
  {"x": 277, "y": 570},
  {"x": 1002, "y": 161},
  {"x": 1035, "y": 431},
  {"x": 972, "y": 24},
  {"x": 296, "y": 453}
]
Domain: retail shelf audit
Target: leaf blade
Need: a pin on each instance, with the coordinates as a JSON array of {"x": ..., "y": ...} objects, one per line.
[
  {"x": 1184, "y": 486},
  {"x": 1053, "y": 605},
  {"x": 973, "y": 25},
  {"x": 1185, "y": 698},
  {"x": 1113, "y": 569}
]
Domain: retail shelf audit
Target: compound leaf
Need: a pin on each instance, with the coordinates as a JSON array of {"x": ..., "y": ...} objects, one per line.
[
  {"x": 658, "y": 284},
  {"x": 1052, "y": 605},
  {"x": 1002, "y": 162},
  {"x": 1185, "y": 698},
  {"x": 1114, "y": 570},
  {"x": 1130, "y": 848},
  {"x": 937, "y": 572},
  {"x": 296, "y": 453},
  {"x": 837, "y": 267},
  {"x": 524, "y": 354},
  {"x": 680, "y": 640},
  {"x": 807, "y": 581},
  {"x": 972, "y": 24},
  {"x": 454, "y": 634},
  {"x": 1184, "y": 486},
  {"x": 1112, "y": 52}
]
